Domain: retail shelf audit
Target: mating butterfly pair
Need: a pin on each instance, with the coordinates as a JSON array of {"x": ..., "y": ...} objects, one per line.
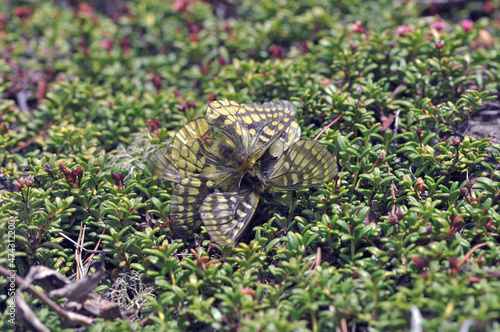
[{"x": 222, "y": 164}]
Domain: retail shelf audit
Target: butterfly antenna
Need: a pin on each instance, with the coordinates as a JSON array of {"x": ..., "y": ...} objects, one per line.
[{"x": 239, "y": 182}]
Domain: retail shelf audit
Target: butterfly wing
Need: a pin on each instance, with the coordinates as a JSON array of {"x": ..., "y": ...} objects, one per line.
[
  {"x": 267, "y": 124},
  {"x": 198, "y": 128},
  {"x": 174, "y": 164},
  {"x": 161, "y": 164},
  {"x": 289, "y": 136},
  {"x": 252, "y": 127},
  {"x": 222, "y": 114},
  {"x": 184, "y": 156},
  {"x": 305, "y": 164},
  {"x": 186, "y": 199},
  {"x": 227, "y": 215}
]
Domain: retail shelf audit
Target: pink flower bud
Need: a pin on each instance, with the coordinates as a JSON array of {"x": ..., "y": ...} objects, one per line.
[{"x": 467, "y": 25}]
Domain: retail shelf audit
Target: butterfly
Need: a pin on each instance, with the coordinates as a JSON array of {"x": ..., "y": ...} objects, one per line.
[
  {"x": 305, "y": 164},
  {"x": 218, "y": 164},
  {"x": 222, "y": 164},
  {"x": 191, "y": 192},
  {"x": 258, "y": 149}
]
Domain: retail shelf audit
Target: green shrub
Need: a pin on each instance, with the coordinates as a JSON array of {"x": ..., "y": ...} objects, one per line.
[{"x": 410, "y": 226}]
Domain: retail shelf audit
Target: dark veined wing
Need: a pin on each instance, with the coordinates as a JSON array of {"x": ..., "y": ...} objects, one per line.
[
  {"x": 221, "y": 157},
  {"x": 174, "y": 164},
  {"x": 287, "y": 138},
  {"x": 252, "y": 127},
  {"x": 291, "y": 134},
  {"x": 198, "y": 128},
  {"x": 227, "y": 215},
  {"x": 186, "y": 199},
  {"x": 222, "y": 114},
  {"x": 161, "y": 164},
  {"x": 184, "y": 156},
  {"x": 305, "y": 164},
  {"x": 190, "y": 158},
  {"x": 270, "y": 121}
]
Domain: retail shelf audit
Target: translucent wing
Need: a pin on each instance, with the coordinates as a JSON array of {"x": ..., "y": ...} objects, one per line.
[
  {"x": 187, "y": 197},
  {"x": 198, "y": 128},
  {"x": 184, "y": 156},
  {"x": 222, "y": 114},
  {"x": 220, "y": 156},
  {"x": 253, "y": 127},
  {"x": 174, "y": 164},
  {"x": 161, "y": 164},
  {"x": 289, "y": 136},
  {"x": 305, "y": 164},
  {"x": 269, "y": 121},
  {"x": 190, "y": 158},
  {"x": 227, "y": 215}
]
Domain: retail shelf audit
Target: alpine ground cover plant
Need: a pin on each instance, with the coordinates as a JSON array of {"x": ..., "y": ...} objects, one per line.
[{"x": 409, "y": 229}]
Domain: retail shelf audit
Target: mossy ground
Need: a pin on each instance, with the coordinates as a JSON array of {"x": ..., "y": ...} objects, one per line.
[{"x": 410, "y": 228}]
